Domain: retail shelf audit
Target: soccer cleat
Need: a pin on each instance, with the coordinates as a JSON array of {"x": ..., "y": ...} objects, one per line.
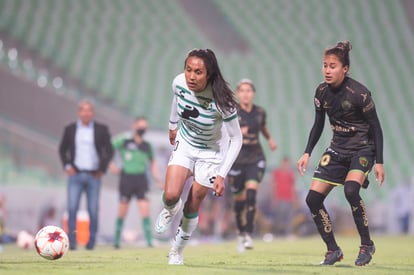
[
  {"x": 332, "y": 257},
  {"x": 365, "y": 254},
  {"x": 240, "y": 242},
  {"x": 165, "y": 218},
  {"x": 175, "y": 258},
  {"x": 248, "y": 241}
]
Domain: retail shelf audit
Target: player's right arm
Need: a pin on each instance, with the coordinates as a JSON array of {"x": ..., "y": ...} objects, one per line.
[
  {"x": 173, "y": 121},
  {"x": 314, "y": 136},
  {"x": 117, "y": 144},
  {"x": 65, "y": 152}
]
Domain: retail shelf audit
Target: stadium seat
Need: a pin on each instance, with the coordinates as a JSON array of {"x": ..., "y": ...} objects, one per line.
[{"x": 129, "y": 51}]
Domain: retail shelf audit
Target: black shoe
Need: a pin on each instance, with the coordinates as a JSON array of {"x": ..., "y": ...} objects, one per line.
[
  {"x": 90, "y": 245},
  {"x": 117, "y": 246},
  {"x": 332, "y": 257},
  {"x": 365, "y": 254},
  {"x": 366, "y": 183},
  {"x": 72, "y": 246}
]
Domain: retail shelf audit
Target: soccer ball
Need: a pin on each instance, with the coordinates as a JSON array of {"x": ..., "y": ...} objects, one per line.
[
  {"x": 24, "y": 240},
  {"x": 51, "y": 242}
]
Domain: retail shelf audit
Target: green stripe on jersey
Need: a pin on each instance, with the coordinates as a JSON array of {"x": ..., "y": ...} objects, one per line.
[
  {"x": 183, "y": 89},
  {"x": 197, "y": 135},
  {"x": 196, "y": 145},
  {"x": 231, "y": 117},
  {"x": 190, "y": 102}
]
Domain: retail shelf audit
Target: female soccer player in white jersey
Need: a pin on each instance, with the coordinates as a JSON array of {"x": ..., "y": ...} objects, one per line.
[{"x": 203, "y": 102}]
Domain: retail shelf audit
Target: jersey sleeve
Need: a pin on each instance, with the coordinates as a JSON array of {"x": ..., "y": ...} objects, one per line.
[
  {"x": 118, "y": 141},
  {"x": 173, "y": 121},
  {"x": 230, "y": 115},
  {"x": 235, "y": 142},
  {"x": 318, "y": 123},
  {"x": 370, "y": 114}
]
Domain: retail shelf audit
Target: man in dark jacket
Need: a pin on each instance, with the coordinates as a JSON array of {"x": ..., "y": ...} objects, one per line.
[{"x": 85, "y": 151}]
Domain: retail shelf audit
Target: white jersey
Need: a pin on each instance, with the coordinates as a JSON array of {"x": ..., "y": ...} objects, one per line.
[{"x": 197, "y": 116}]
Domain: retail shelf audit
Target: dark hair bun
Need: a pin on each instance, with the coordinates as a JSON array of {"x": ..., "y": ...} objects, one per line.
[{"x": 344, "y": 45}]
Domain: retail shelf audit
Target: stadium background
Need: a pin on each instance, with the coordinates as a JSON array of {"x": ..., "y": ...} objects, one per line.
[{"x": 123, "y": 55}]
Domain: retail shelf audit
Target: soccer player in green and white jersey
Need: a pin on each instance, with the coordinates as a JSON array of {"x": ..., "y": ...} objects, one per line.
[{"x": 203, "y": 106}]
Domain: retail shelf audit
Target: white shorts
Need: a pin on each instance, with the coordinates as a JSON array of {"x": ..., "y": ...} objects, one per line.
[{"x": 204, "y": 164}]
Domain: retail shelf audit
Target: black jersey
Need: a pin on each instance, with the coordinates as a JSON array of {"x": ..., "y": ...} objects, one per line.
[
  {"x": 352, "y": 116},
  {"x": 251, "y": 124}
]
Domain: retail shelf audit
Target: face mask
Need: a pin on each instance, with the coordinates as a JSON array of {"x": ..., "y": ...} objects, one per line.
[{"x": 140, "y": 132}]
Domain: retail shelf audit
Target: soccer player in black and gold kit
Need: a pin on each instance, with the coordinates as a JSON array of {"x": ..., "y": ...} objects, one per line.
[
  {"x": 356, "y": 146},
  {"x": 248, "y": 169}
]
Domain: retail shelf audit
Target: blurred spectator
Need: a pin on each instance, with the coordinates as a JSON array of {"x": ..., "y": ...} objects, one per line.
[
  {"x": 283, "y": 197},
  {"x": 85, "y": 151},
  {"x": 401, "y": 198}
]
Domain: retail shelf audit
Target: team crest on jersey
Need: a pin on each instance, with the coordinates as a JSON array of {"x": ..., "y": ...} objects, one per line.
[
  {"x": 317, "y": 102},
  {"x": 206, "y": 104},
  {"x": 363, "y": 161},
  {"x": 346, "y": 105}
]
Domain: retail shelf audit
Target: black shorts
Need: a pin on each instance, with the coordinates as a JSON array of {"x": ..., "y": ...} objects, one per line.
[
  {"x": 133, "y": 185},
  {"x": 334, "y": 167},
  {"x": 241, "y": 173}
]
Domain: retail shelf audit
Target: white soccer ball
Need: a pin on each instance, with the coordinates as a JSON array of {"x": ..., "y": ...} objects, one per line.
[
  {"x": 24, "y": 240},
  {"x": 51, "y": 242}
]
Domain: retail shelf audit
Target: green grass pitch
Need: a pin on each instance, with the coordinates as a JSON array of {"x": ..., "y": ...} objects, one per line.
[{"x": 394, "y": 255}]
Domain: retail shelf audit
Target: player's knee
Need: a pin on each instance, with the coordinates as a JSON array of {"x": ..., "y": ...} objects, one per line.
[
  {"x": 251, "y": 197},
  {"x": 314, "y": 200},
  {"x": 170, "y": 198},
  {"x": 351, "y": 189}
]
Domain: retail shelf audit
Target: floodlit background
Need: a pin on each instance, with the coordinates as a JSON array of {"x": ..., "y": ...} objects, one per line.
[{"x": 124, "y": 54}]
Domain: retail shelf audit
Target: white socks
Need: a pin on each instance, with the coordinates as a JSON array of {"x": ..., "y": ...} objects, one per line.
[{"x": 184, "y": 232}]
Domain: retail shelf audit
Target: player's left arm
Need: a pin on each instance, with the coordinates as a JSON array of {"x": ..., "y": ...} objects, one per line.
[
  {"x": 106, "y": 150},
  {"x": 232, "y": 127},
  {"x": 266, "y": 133},
  {"x": 370, "y": 114}
]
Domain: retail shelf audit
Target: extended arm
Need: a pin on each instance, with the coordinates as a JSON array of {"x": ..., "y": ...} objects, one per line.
[
  {"x": 314, "y": 136},
  {"x": 316, "y": 131},
  {"x": 236, "y": 140},
  {"x": 375, "y": 127},
  {"x": 270, "y": 141},
  {"x": 173, "y": 122}
]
